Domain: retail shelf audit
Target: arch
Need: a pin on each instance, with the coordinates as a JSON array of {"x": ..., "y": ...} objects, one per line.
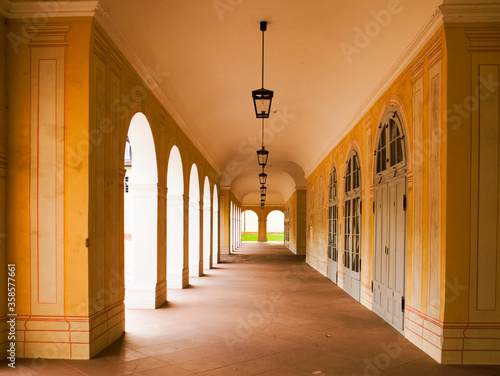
[
  {"x": 275, "y": 225},
  {"x": 175, "y": 221},
  {"x": 215, "y": 226},
  {"x": 141, "y": 212},
  {"x": 250, "y": 225},
  {"x": 390, "y": 156},
  {"x": 207, "y": 206},
  {"x": 194, "y": 223},
  {"x": 352, "y": 225}
]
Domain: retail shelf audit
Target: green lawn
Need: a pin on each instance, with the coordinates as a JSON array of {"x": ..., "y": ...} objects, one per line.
[
  {"x": 248, "y": 237},
  {"x": 252, "y": 237}
]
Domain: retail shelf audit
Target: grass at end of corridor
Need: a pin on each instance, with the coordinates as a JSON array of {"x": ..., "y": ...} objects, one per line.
[{"x": 252, "y": 237}]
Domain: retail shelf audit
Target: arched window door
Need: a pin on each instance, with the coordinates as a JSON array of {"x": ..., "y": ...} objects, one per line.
[
  {"x": 333, "y": 252},
  {"x": 389, "y": 260},
  {"x": 352, "y": 226}
]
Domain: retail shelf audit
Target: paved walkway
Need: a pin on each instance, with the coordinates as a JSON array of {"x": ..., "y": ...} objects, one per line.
[{"x": 262, "y": 311}]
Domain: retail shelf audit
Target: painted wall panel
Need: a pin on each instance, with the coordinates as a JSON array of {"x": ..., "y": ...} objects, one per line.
[
  {"x": 434, "y": 215},
  {"x": 488, "y": 198},
  {"x": 47, "y": 180}
]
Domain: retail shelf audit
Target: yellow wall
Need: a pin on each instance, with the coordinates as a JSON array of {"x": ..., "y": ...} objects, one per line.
[
  {"x": 73, "y": 279},
  {"x": 362, "y": 137},
  {"x": 295, "y": 207},
  {"x": 453, "y": 193},
  {"x": 96, "y": 116},
  {"x": 472, "y": 291}
]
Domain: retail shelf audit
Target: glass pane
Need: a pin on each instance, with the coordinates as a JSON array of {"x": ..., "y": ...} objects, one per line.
[
  {"x": 394, "y": 130},
  {"x": 393, "y": 153}
]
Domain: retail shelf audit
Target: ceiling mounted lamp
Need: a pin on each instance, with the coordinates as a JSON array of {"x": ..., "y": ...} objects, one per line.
[
  {"x": 262, "y": 156},
  {"x": 262, "y": 98},
  {"x": 262, "y": 177},
  {"x": 263, "y": 190}
]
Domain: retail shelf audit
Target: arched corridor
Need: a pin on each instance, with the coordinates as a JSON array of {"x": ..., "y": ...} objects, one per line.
[
  {"x": 129, "y": 150},
  {"x": 284, "y": 318}
]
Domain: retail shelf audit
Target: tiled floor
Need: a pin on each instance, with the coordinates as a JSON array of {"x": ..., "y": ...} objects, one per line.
[{"x": 261, "y": 312}]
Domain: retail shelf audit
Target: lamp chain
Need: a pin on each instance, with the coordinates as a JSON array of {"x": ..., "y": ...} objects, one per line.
[
  {"x": 262, "y": 133},
  {"x": 263, "y": 58}
]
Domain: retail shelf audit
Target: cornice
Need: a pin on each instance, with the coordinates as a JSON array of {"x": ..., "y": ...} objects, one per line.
[
  {"x": 431, "y": 27},
  {"x": 50, "y": 34},
  {"x": 483, "y": 39},
  {"x": 45, "y": 9},
  {"x": 470, "y": 13}
]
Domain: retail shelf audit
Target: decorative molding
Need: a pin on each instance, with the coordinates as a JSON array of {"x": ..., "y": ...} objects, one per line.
[
  {"x": 49, "y": 34},
  {"x": 434, "y": 53},
  {"x": 468, "y": 13},
  {"x": 417, "y": 69},
  {"x": 104, "y": 20},
  {"x": 46, "y": 9},
  {"x": 368, "y": 123},
  {"x": 431, "y": 27},
  {"x": 116, "y": 62},
  {"x": 101, "y": 47},
  {"x": 484, "y": 39}
]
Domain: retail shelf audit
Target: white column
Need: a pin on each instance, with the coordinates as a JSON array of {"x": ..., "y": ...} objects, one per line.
[
  {"x": 141, "y": 292},
  {"x": 175, "y": 242}
]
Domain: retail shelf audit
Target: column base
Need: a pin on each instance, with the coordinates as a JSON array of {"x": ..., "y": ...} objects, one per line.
[
  {"x": 177, "y": 280},
  {"x": 140, "y": 297}
]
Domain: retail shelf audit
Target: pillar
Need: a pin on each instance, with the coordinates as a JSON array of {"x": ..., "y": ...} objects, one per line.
[
  {"x": 262, "y": 236},
  {"x": 141, "y": 290},
  {"x": 177, "y": 273}
]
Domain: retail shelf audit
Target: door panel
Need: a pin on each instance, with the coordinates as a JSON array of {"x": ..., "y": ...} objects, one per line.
[
  {"x": 332, "y": 261},
  {"x": 352, "y": 248},
  {"x": 379, "y": 249},
  {"x": 390, "y": 251}
]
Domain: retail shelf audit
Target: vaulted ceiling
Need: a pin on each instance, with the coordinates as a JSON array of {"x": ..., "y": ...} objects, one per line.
[{"x": 323, "y": 59}]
